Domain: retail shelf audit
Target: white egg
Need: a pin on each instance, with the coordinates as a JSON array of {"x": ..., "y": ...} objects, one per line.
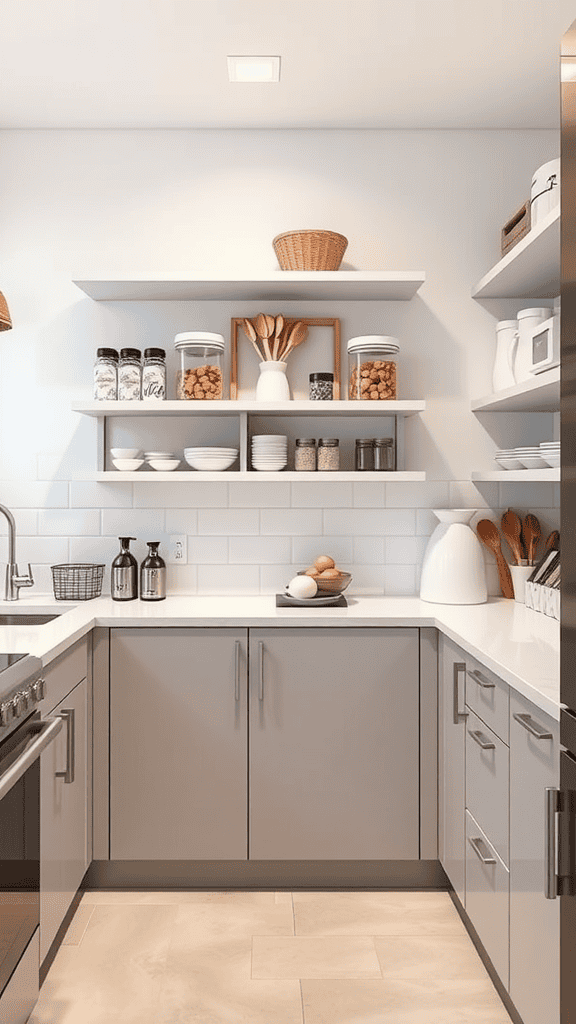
[{"x": 302, "y": 587}]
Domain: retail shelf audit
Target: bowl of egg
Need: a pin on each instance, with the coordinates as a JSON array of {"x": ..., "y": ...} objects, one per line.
[{"x": 328, "y": 578}]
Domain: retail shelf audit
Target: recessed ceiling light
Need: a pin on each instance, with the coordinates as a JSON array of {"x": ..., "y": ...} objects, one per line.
[
  {"x": 568, "y": 69},
  {"x": 253, "y": 69}
]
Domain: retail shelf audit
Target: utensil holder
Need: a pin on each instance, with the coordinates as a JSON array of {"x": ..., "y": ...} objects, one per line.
[{"x": 520, "y": 574}]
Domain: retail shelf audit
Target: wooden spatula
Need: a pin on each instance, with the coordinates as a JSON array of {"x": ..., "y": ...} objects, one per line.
[
  {"x": 511, "y": 526},
  {"x": 531, "y": 533},
  {"x": 490, "y": 536}
]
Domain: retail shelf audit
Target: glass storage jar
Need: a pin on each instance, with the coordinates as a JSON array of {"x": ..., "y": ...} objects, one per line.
[
  {"x": 154, "y": 374},
  {"x": 384, "y": 453},
  {"x": 321, "y": 387},
  {"x": 364, "y": 453},
  {"x": 305, "y": 454},
  {"x": 106, "y": 375},
  {"x": 199, "y": 376},
  {"x": 130, "y": 375},
  {"x": 328, "y": 454},
  {"x": 372, "y": 367}
]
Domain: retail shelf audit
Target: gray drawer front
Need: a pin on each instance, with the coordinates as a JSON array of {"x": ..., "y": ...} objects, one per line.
[
  {"x": 487, "y": 896},
  {"x": 488, "y": 697},
  {"x": 487, "y": 782},
  {"x": 64, "y": 673}
]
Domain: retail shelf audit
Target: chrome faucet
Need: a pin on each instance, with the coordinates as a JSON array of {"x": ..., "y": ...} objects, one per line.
[{"x": 13, "y": 579}]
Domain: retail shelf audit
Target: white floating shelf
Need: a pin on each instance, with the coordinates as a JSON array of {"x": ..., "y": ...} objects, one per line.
[
  {"x": 531, "y": 269},
  {"x": 539, "y": 394},
  {"x": 144, "y": 476},
  {"x": 230, "y": 408},
  {"x": 520, "y": 475},
  {"x": 279, "y": 285}
]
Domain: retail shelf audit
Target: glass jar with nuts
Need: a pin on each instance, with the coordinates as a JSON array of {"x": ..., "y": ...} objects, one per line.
[
  {"x": 372, "y": 367},
  {"x": 199, "y": 376}
]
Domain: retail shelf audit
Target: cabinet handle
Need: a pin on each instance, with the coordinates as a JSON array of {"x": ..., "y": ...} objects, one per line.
[
  {"x": 68, "y": 716},
  {"x": 261, "y": 670},
  {"x": 532, "y": 727},
  {"x": 481, "y": 739},
  {"x": 475, "y": 844},
  {"x": 459, "y": 666},
  {"x": 237, "y": 670},
  {"x": 552, "y": 807},
  {"x": 482, "y": 681}
]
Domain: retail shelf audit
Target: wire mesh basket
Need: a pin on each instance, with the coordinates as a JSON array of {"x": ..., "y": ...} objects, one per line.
[{"x": 77, "y": 581}]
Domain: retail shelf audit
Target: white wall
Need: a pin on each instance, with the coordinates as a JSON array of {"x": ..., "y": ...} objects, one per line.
[{"x": 87, "y": 203}]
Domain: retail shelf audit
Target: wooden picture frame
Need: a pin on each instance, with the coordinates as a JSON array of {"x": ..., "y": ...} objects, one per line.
[{"x": 235, "y": 328}]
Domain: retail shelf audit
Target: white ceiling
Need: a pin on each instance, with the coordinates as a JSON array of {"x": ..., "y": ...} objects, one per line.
[{"x": 345, "y": 63}]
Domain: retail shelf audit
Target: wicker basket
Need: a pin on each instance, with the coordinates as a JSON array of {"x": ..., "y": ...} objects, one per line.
[
  {"x": 80, "y": 581},
  {"x": 310, "y": 250}
]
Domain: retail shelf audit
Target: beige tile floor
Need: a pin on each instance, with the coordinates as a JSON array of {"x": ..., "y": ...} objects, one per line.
[{"x": 267, "y": 958}]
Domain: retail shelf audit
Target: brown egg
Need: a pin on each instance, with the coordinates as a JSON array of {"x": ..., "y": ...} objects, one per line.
[
  {"x": 329, "y": 574},
  {"x": 312, "y": 571},
  {"x": 324, "y": 562}
]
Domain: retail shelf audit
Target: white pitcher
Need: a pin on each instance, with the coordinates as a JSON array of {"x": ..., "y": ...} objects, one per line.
[
  {"x": 506, "y": 341},
  {"x": 453, "y": 571},
  {"x": 527, "y": 318}
]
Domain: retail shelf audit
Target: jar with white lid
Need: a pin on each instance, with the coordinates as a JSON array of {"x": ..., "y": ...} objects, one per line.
[
  {"x": 199, "y": 376},
  {"x": 372, "y": 367}
]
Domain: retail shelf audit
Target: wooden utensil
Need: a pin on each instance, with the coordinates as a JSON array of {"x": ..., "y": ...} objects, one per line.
[
  {"x": 248, "y": 328},
  {"x": 297, "y": 335},
  {"x": 489, "y": 535},
  {"x": 261, "y": 324},
  {"x": 279, "y": 324},
  {"x": 531, "y": 533},
  {"x": 552, "y": 541},
  {"x": 511, "y": 526}
]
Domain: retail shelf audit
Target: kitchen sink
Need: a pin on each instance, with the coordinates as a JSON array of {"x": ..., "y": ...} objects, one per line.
[{"x": 27, "y": 620}]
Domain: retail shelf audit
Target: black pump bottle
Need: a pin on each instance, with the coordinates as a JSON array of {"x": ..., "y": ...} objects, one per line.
[{"x": 124, "y": 582}]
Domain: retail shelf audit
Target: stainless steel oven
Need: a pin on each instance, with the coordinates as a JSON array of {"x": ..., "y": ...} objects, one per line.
[{"x": 23, "y": 737}]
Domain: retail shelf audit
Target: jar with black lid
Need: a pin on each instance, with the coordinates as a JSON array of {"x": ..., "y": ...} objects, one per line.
[
  {"x": 305, "y": 454},
  {"x": 154, "y": 374},
  {"x": 321, "y": 387},
  {"x": 328, "y": 454},
  {"x": 364, "y": 453},
  {"x": 130, "y": 375},
  {"x": 384, "y": 453},
  {"x": 106, "y": 375}
]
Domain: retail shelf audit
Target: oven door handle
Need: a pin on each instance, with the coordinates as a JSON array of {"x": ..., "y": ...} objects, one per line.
[{"x": 46, "y": 730}]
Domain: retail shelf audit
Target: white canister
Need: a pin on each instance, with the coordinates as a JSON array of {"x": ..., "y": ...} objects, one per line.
[
  {"x": 506, "y": 340},
  {"x": 545, "y": 191},
  {"x": 453, "y": 571},
  {"x": 527, "y": 318},
  {"x": 520, "y": 574}
]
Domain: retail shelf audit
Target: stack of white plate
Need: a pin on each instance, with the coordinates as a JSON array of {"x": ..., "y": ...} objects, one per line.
[
  {"x": 269, "y": 452},
  {"x": 521, "y": 458},
  {"x": 550, "y": 451},
  {"x": 210, "y": 459}
]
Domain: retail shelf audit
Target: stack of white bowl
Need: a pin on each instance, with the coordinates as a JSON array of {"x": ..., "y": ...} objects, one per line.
[
  {"x": 210, "y": 459},
  {"x": 550, "y": 451},
  {"x": 530, "y": 457},
  {"x": 163, "y": 462},
  {"x": 269, "y": 452},
  {"x": 126, "y": 460}
]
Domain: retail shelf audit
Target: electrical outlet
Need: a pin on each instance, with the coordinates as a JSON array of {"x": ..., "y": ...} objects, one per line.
[{"x": 177, "y": 549}]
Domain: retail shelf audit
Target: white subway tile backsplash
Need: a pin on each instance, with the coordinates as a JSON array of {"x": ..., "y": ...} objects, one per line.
[
  {"x": 275, "y": 578},
  {"x": 133, "y": 522},
  {"x": 291, "y": 522},
  {"x": 69, "y": 522},
  {"x": 259, "y": 550},
  {"x": 181, "y": 579},
  {"x": 181, "y": 520},
  {"x": 426, "y": 521},
  {"x": 26, "y": 521},
  {"x": 228, "y": 579},
  {"x": 399, "y": 580},
  {"x": 305, "y": 550},
  {"x": 321, "y": 494},
  {"x": 366, "y": 579},
  {"x": 228, "y": 522},
  {"x": 368, "y": 494},
  {"x": 253, "y": 494},
  {"x": 89, "y": 494},
  {"x": 428, "y": 494},
  {"x": 369, "y": 550},
  {"x": 34, "y": 493},
  {"x": 49, "y": 550},
  {"x": 405, "y": 550},
  {"x": 94, "y": 549},
  {"x": 208, "y": 550},
  {"x": 196, "y": 494},
  {"x": 373, "y": 522}
]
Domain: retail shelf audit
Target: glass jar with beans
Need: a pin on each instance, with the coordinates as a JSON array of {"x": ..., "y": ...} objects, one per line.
[{"x": 372, "y": 367}]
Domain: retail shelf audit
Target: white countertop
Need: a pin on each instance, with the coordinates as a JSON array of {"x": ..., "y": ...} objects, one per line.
[{"x": 520, "y": 645}]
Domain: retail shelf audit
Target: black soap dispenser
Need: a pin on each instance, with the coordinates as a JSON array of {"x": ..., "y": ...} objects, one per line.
[
  {"x": 153, "y": 574},
  {"x": 124, "y": 582}
]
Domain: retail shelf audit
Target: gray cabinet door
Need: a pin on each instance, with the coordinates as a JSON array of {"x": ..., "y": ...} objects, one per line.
[
  {"x": 534, "y": 920},
  {"x": 452, "y": 777},
  {"x": 334, "y": 728},
  {"x": 178, "y": 744},
  {"x": 63, "y": 811}
]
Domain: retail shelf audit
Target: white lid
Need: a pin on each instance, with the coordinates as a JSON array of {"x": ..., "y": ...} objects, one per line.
[
  {"x": 374, "y": 342},
  {"x": 189, "y": 339},
  {"x": 503, "y": 324},
  {"x": 543, "y": 311}
]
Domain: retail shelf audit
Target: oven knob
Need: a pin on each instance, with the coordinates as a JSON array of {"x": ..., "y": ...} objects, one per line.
[
  {"x": 19, "y": 704},
  {"x": 30, "y": 695},
  {"x": 38, "y": 689},
  {"x": 6, "y": 712}
]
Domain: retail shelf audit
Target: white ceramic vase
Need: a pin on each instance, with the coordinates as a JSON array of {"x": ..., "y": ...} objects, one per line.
[
  {"x": 453, "y": 571},
  {"x": 272, "y": 385}
]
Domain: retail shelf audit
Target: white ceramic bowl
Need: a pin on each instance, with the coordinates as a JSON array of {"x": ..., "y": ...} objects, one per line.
[
  {"x": 270, "y": 468},
  {"x": 164, "y": 465},
  {"x": 211, "y": 451},
  {"x": 552, "y": 460},
  {"x": 533, "y": 462},
  {"x": 128, "y": 465},
  {"x": 210, "y": 463},
  {"x": 509, "y": 464},
  {"x": 125, "y": 453}
]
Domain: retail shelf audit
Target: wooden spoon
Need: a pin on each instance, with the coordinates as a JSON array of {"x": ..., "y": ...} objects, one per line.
[
  {"x": 298, "y": 334},
  {"x": 511, "y": 526},
  {"x": 532, "y": 533},
  {"x": 248, "y": 328},
  {"x": 552, "y": 541},
  {"x": 264, "y": 328},
  {"x": 277, "y": 332},
  {"x": 490, "y": 536}
]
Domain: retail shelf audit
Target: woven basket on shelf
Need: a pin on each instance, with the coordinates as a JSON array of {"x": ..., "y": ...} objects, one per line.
[
  {"x": 5, "y": 321},
  {"x": 310, "y": 250}
]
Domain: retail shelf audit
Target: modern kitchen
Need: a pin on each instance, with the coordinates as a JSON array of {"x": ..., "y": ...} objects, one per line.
[{"x": 286, "y": 412}]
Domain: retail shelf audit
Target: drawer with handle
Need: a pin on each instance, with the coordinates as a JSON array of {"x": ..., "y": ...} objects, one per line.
[
  {"x": 487, "y": 782},
  {"x": 488, "y": 697},
  {"x": 487, "y": 894}
]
